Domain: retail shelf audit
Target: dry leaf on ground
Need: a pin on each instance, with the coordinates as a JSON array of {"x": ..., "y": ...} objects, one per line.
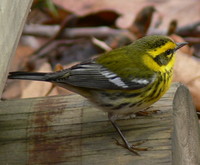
[
  {"x": 184, "y": 11},
  {"x": 187, "y": 71},
  {"x": 21, "y": 57}
]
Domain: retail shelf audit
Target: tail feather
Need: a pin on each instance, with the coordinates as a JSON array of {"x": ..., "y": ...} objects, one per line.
[{"x": 27, "y": 76}]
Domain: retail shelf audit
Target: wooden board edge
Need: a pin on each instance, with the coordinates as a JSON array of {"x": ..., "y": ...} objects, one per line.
[{"x": 186, "y": 131}]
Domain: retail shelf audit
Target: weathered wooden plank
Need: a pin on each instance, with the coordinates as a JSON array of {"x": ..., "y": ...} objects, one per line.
[
  {"x": 12, "y": 17},
  {"x": 70, "y": 131},
  {"x": 186, "y": 144}
]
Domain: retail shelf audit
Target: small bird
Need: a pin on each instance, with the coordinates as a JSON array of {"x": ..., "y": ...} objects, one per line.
[{"x": 121, "y": 82}]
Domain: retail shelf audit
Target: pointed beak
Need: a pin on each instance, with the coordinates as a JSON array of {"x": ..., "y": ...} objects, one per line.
[{"x": 180, "y": 45}]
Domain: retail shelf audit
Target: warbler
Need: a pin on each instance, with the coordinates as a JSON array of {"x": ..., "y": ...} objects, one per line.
[{"x": 120, "y": 82}]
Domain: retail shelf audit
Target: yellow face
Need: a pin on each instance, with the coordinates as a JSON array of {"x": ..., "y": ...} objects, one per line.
[{"x": 161, "y": 58}]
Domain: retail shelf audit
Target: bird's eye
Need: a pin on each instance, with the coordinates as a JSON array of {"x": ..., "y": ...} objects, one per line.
[{"x": 168, "y": 52}]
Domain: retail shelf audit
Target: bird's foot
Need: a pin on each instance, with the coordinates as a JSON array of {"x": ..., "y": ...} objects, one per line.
[{"x": 132, "y": 147}]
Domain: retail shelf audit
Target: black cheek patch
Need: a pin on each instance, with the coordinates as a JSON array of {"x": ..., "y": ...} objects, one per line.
[{"x": 162, "y": 59}]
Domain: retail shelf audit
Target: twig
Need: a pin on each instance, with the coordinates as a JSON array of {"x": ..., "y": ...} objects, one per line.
[
  {"x": 189, "y": 30},
  {"x": 192, "y": 40},
  {"x": 56, "y": 35},
  {"x": 101, "y": 44},
  {"x": 53, "y": 45},
  {"x": 49, "y": 31}
]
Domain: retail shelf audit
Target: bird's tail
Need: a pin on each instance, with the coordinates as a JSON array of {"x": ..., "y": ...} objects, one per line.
[{"x": 27, "y": 76}]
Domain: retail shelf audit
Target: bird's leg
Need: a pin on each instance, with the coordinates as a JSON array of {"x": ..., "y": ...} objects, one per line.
[{"x": 126, "y": 143}]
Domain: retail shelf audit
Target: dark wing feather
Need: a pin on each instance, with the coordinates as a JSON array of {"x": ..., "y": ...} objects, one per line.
[{"x": 92, "y": 75}]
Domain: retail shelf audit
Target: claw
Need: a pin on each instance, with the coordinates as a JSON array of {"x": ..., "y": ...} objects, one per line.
[{"x": 132, "y": 148}]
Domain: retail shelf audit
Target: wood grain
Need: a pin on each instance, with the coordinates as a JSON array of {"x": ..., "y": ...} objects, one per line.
[
  {"x": 69, "y": 130},
  {"x": 186, "y": 135}
]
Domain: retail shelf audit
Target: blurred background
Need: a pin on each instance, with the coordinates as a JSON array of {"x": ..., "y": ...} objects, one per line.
[{"x": 61, "y": 33}]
